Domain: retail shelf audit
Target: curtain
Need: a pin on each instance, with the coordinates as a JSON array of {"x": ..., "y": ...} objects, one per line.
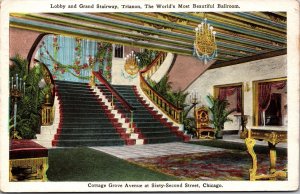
[
  {"x": 239, "y": 99},
  {"x": 224, "y": 92},
  {"x": 264, "y": 96}
]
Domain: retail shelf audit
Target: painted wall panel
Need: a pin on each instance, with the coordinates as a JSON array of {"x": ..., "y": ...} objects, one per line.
[
  {"x": 73, "y": 59},
  {"x": 21, "y": 41}
]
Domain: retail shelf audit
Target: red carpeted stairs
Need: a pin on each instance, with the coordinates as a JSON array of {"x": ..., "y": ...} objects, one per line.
[
  {"x": 84, "y": 121},
  {"x": 148, "y": 123}
]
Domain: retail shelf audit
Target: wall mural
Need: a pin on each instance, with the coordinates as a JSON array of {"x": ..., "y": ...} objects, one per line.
[{"x": 73, "y": 59}]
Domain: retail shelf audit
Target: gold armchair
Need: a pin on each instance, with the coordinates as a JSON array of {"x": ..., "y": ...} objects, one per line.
[{"x": 203, "y": 130}]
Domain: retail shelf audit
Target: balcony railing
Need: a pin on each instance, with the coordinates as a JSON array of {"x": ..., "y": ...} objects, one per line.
[{"x": 175, "y": 113}]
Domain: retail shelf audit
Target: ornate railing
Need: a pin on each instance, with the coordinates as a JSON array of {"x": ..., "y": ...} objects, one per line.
[
  {"x": 115, "y": 94},
  {"x": 153, "y": 67},
  {"x": 175, "y": 113},
  {"x": 47, "y": 112}
]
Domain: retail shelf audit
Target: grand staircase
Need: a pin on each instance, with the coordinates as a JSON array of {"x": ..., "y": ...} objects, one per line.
[
  {"x": 150, "y": 125},
  {"x": 86, "y": 121},
  {"x": 83, "y": 122}
]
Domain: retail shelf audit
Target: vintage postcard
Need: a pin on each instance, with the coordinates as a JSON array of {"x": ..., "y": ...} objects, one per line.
[{"x": 149, "y": 96}]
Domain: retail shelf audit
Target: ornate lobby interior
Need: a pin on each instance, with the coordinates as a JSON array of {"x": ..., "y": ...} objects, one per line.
[{"x": 161, "y": 96}]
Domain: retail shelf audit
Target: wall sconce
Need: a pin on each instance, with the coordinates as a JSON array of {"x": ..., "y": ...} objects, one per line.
[{"x": 247, "y": 87}]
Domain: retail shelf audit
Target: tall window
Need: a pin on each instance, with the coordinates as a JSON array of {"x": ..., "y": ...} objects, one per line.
[
  {"x": 232, "y": 93},
  {"x": 270, "y": 102},
  {"x": 118, "y": 51}
]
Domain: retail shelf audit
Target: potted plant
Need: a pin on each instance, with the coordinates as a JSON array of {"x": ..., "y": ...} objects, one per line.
[{"x": 220, "y": 114}]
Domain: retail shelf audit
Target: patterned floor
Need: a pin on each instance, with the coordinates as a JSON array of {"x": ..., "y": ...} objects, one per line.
[
  {"x": 154, "y": 150},
  {"x": 217, "y": 165},
  {"x": 193, "y": 162}
]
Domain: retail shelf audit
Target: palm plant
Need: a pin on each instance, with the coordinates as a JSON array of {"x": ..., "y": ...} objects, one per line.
[
  {"x": 220, "y": 113},
  {"x": 178, "y": 98},
  {"x": 146, "y": 57},
  {"x": 29, "y": 106},
  {"x": 163, "y": 87}
]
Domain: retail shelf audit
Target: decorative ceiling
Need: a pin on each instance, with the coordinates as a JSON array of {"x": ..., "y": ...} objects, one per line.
[{"x": 241, "y": 36}]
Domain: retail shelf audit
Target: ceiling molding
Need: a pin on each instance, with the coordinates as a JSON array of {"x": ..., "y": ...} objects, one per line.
[
  {"x": 248, "y": 59},
  {"x": 240, "y": 35}
]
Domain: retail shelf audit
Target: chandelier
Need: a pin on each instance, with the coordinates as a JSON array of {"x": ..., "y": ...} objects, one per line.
[
  {"x": 132, "y": 63},
  {"x": 205, "y": 46}
]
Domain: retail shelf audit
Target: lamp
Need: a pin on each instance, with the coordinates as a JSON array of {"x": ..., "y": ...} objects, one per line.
[
  {"x": 132, "y": 63},
  {"x": 205, "y": 46},
  {"x": 17, "y": 90},
  {"x": 247, "y": 87},
  {"x": 194, "y": 100}
]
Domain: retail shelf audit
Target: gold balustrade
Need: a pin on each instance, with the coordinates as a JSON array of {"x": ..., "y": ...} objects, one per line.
[
  {"x": 164, "y": 105},
  {"x": 153, "y": 67},
  {"x": 47, "y": 112}
]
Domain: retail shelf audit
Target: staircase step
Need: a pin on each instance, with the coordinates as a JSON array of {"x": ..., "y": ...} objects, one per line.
[
  {"x": 154, "y": 140},
  {"x": 148, "y": 124},
  {"x": 82, "y": 95},
  {"x": 86, "y": 125},
  {"x": 153, "y": 129},
  {"x": 82, "y": 106},
  {"x": 60, "y": 82},
  {"x": 79, "y": 103},
  {"x": 154, "y": 134},
  {"x": 76, "y": 143},
  {"x": 83, "y": 89},
  {"x": 89, "y": 136},
  {"x": 94, "y": 109},
  {"x": 70, "y": 130},
  {"x": 148, "y": 118},
  {"x": 77, "y": 115}
]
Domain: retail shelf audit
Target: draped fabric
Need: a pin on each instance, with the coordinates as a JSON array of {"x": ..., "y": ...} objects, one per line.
[
  {"x": 264, "y": 97},
  {"x": 239, "y": 99},
  {"x": 224, "y": 92},
  {"x": 73, "y": 59}
]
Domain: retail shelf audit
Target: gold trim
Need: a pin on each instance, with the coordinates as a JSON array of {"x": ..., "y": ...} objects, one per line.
[
  {"x": 96, "y": 39},
  {"x": 244, "y": 25},
  {"x": 272, "y": 137},
  {"x": 38, "y": 166},
  {"x": 217, "y": 87},
  {"x": 255, "y": 96}
]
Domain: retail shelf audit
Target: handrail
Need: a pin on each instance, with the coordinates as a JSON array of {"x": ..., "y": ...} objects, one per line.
[
  {"x": 125, "y": 104},
  {"x": 167, "y": 107},
  {"x": 155, "y": 64}
]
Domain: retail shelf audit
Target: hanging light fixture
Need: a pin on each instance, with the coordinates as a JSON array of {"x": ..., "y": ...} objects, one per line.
[
  {"x": 205, "y": 46},
  {"x": 132, "y": 63}
]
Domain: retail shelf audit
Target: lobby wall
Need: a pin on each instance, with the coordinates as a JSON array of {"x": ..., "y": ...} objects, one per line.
[
  {"x": 269, "y": 68},
  {"x": 21, "y": 41},
  {"x": 185, "y": 70}
]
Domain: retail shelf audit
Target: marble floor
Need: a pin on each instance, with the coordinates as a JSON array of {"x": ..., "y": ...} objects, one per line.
[{"x": 154, "y": 150}]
